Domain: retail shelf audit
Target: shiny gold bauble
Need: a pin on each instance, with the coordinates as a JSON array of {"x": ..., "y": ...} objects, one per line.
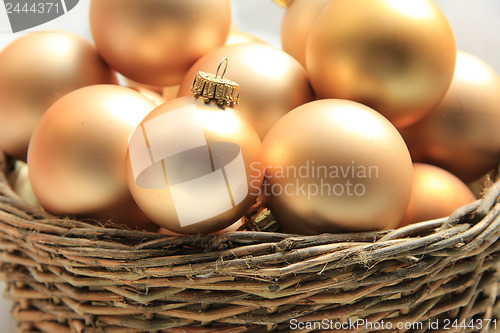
[
  {"x": 297, "y": 23},
  {"x": 175, "y": 173},
  {"x": 156, "y": 41},
  {"x": 76, "y": 157},
  {"x": 334, "y": 166},
  {"x": 435, "y": 193},
  {"x": 461, "y": 135},
  {"x": 271, "y": 81},
  {"x": 36, "y": 70},
  {"x": 396, "y": 56}
]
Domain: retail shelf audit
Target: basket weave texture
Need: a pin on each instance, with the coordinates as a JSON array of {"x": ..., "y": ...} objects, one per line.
[{"x": 66, "y": 275}]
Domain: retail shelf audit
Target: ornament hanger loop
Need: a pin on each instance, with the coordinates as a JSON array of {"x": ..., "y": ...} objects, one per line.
[
  {"x": 214, "y": 87},
  {"x": 224, "y": 60}
]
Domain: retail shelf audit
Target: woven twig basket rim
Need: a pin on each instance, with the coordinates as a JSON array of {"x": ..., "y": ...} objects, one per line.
[{"x": 80, "y": 276}]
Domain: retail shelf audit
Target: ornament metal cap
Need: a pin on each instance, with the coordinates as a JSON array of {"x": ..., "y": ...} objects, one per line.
[{"x": 214, "y": 87}]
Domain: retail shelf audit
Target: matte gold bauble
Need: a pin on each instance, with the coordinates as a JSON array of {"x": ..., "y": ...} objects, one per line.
[
  {"x": 156, "y": 41},
  {"x": 461, "y": 135},
  {"x": 298, "y": 20},
  {"x": 194, "y": 167},
  {"x": 435, "y": 193},
  {"x": 334, "y": 166},
  {"x": 77, "y": 154},
  {"x": 271, "y": 81},
  {"x": 36, "y": 70},
  {"x": 396, "y": 56}
]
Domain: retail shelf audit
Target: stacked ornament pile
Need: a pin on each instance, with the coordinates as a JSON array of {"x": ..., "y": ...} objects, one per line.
[{"x": 368, "y": 119}]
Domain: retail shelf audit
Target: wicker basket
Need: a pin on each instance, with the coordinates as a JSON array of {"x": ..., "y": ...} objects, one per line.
[{"x": 72, "y": 276}]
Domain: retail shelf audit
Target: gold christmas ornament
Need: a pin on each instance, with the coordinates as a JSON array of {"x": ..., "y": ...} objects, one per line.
[
  {"x": 156, "y": 41},
  {"x": 37, "y": 69},
  {"x": 461, "y": 135},
  {"x": 298, "y": 20},
  {"x": 334, "y": 166},
  {"x": 271, "y": 81},
  {"x": 77, "y": 154},
  {"x": 396, "y": 56},
  {"x": 435, "y": 193},
  {"x": 195, "y": 163}
]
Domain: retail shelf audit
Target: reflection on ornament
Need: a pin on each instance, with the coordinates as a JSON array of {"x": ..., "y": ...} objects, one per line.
[
  {"x": 77, "y": 154},
  {"x": 271, "y": 81},
  {"x": 461, "y": 134},
  {"x": 36, "y": 70},
  {"x": 395, "y": 56},
  {"x": 335, "y": 166},
  {"x": 299, "y": 18},
  {"x": 435, "y": 193},
  {"x": 216, "y": 180},
  {"x": 191, "y": 160},
  {"x": 156, "y": 41}
]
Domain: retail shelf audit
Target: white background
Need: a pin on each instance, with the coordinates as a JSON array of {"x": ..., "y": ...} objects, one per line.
[{"x": 476, "y": 24}]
